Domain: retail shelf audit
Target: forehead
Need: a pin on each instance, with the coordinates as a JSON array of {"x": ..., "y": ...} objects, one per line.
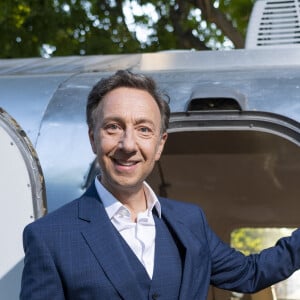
[{"x": 129, "y": 101}]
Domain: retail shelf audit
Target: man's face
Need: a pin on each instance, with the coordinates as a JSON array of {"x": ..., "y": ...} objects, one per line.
[{"x": 127, "y": 138}]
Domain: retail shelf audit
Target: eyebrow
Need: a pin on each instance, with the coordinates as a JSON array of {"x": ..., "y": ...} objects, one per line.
[
  {"x": 143, "y": 120},
  {"x": 120, "y": 120}
]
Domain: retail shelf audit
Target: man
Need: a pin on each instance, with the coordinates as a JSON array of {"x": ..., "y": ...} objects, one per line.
[{"x": 119, "y": 240}]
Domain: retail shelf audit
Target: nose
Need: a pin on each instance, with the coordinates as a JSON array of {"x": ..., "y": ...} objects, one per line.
[{"x": 128, "y": 141}]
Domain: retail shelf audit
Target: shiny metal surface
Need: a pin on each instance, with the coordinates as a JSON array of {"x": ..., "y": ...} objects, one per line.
[{"x": 47, "y": 97}]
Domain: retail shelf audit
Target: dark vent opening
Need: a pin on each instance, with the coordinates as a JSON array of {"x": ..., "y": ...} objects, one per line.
[
  {"x": 279, "y": 2},
  {"x": 208, "y": 104}
]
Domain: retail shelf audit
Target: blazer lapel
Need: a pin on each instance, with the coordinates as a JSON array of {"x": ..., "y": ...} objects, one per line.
[
  {"x": 191, "y": 253},
  {"x": 105, "y": 244}
]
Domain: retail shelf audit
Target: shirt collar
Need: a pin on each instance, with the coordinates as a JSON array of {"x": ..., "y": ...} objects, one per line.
[{"x": 112, "y": 205}]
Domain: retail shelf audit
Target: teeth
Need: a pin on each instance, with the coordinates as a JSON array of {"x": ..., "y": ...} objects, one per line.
[{"x": 125, "y": 163}]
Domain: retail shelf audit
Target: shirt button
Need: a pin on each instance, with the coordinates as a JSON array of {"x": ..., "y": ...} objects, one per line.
[{"x": 155, "y": 296}]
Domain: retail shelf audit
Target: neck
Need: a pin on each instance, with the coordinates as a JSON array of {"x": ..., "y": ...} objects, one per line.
[
  {"x": 133, "y": 198},
  {"x": 135, "y": 202}
]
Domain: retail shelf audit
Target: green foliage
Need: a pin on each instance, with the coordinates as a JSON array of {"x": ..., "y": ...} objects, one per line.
[
  {"x": 247, "y": 240},
  {"x": 253, "y": 240},
  {"x": 238, "y": 13},
  {"x": 31, "y": 28}
]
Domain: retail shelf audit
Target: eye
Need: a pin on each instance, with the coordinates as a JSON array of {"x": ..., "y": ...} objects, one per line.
[
  {"x": 112, "y": 128},
  {"x": 145, "y": 131}
]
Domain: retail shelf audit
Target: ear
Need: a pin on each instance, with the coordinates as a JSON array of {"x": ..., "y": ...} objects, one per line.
[
  {"x": 92, "y": 140},
  {"x": 161, "y": 145}
]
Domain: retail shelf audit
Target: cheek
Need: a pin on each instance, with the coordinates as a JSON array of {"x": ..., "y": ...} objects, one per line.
[
  {"x": 107, "y": 144},
  {"x": 153, "y": 151}
]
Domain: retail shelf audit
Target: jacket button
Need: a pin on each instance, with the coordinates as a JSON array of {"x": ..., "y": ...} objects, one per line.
[{"x": 155, "y": 296}]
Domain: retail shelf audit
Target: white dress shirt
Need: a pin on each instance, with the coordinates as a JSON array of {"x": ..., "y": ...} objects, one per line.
[{"x": 139, "y": 235}]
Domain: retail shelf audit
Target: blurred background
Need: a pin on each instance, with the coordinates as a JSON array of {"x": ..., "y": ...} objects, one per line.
[{"x": 30, "y": 28}]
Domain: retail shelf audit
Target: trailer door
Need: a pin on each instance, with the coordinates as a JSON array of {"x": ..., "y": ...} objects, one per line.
[{"x": 22, "y": 200}]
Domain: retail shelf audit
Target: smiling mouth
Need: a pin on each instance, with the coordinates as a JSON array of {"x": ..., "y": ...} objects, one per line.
[{"x": 124, "y": 163}]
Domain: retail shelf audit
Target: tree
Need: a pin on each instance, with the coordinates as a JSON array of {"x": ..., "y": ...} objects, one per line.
[
  {"x": 253, "y": 240},
  {"x": 248, "y": 240},
  {"x": 82, "y": 27}
]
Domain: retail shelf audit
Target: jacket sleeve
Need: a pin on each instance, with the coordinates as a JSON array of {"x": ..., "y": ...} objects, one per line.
[
  {"x": 40, "y": 279},
  {"x": 232, "y": 270}
]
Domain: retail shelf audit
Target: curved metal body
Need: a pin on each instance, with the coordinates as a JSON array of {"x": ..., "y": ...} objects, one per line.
[
  {"x": 234, "y": 134},
  {"x": 47, "y": 97}
]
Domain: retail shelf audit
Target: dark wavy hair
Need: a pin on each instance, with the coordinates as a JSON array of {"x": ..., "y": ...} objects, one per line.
[{"x": 124, "y": 78}]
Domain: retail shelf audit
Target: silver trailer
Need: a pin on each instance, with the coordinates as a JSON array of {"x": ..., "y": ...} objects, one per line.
[{"x": 233, "y": 143}]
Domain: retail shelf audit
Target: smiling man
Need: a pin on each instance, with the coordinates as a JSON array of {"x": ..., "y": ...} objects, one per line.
[
  {"x": 127, "y": 136},
  {"x": 121, "y": 241}
]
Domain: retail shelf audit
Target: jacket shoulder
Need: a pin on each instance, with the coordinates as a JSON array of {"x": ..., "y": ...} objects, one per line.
[
  {"x": 69, "y": 212},
  {"x": 184, "y": 210}
]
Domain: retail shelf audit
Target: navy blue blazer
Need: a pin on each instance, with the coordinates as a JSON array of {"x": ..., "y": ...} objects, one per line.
[{"x": 73, "y": 253}]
